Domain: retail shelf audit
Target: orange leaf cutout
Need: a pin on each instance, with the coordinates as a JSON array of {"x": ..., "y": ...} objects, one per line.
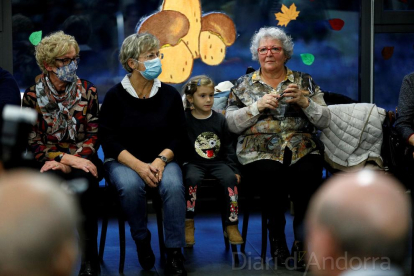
[
  {"x": 286, "y": 15},
  {"x": 387, "y": 52}
]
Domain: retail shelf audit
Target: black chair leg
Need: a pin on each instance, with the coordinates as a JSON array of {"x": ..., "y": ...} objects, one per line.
[
  {"x": 103, "y": 237},
  {"x": 264, "y": 237},
  {"x": 235, "y": 254},
  {"x": 121, "y": 225},
  {"x": 105, "y": 220},
  {"x": 246, "y": 215},
  {"x": 157, "y": 204},
  {"x": 223, "y": 224}
]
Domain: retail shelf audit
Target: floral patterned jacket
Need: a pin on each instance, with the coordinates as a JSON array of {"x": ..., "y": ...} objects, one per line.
[
  {"x": 46, "y": 147},
  {"x": 266, "y": 135}
]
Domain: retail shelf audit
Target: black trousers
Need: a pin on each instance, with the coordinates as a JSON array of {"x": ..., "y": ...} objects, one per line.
[
  {"x": 276, "y": 181},
  {"x": 195, "y": 173},
  {"x": 88, "y": 200}
]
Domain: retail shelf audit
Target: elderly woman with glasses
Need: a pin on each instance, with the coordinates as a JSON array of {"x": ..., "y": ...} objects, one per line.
[
  {"x": 141, "y": 127},
  {"x": 273, "y": 110},
  {"x": 64, "y": 139}
]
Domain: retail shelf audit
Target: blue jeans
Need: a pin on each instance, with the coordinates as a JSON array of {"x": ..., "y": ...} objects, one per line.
[{"x": 132, "y": 196}]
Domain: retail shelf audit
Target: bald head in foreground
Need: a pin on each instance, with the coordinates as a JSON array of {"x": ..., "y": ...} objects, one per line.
[
  {"x": 38, "y": 226},
  {"x": 358, "y": 222}
]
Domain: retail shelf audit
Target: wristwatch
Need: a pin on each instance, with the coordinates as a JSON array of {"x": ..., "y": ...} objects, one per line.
[
  {"x": 59, "y": 157},
  {"x": 163, "y": 158}
]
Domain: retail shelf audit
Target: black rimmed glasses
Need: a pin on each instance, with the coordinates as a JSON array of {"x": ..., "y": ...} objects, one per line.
[
  {"x": 272, "y": 49},
  {"x": 66, "y": 61}
]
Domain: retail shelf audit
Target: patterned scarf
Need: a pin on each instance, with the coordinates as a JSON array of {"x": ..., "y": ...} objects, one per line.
[{"x": 56, "y": 107}]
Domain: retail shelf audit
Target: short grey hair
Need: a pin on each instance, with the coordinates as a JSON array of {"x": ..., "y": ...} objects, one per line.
[
  {"x": 275, "y": 33},
  {"x": 134, "y": 45}
]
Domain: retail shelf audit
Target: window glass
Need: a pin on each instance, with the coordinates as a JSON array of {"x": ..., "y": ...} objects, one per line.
[
  {"x": 398, "y": 5},
  {"x": 393, "y": 59},
  {"x": 101, "y": 25}
]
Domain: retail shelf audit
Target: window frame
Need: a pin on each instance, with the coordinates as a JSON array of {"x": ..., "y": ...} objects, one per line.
[{"x": 375, "y": 19}]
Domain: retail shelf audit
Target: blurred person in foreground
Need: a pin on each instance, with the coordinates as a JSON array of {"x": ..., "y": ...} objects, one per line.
[
  {"x": 358, "y": 224},
  {"x": 64, "y": 138},
  {"x": 38, "y": 232}
]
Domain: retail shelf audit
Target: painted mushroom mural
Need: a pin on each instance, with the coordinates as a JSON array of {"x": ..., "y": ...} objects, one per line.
[{"x": 186, "y": 35}]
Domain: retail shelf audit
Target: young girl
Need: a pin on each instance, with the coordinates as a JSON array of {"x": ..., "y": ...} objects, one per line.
[{"x": 210, "y": 152}]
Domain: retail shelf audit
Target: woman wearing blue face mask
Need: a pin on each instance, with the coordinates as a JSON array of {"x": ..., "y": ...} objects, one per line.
[
  {"x": 64, "y": 139},
  {"x": 141, "y": 126}
]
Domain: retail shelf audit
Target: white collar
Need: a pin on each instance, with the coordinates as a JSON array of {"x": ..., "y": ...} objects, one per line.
[
  {"x": 205, "y": 117},
  {"x": 126, "y": 84}
]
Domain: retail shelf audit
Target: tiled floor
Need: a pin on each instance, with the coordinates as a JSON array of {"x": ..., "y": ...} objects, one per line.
[{"x": 207, "y": 257}]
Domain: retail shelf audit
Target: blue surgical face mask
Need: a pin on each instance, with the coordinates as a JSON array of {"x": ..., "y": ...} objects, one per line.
[
  {"x": 152, "y": 68},
  {"x": 67, "y": 72}
]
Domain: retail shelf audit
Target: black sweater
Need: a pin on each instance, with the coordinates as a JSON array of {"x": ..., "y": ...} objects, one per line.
[
  {"x": 9, "y": 90},
  {"x": 209, "y": 141},
  {"x": 143, "y": 127}
]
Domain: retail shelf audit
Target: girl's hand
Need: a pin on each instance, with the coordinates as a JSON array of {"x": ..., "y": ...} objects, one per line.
[
  {"x": 148, "y": 173},
  {"x": 54, "y": 166},
  {"x": 238, "y": 178},
  {"x": 267, "y": 101},
  {"x": 160, "y": 166},
  {"x": 296, "y": 95},
  {"x": 80, "y": 163}
]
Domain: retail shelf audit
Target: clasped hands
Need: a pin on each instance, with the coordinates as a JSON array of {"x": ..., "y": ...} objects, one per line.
[
  {"x": 151, "y": 173},
  {"x": 292, "y": 93}
]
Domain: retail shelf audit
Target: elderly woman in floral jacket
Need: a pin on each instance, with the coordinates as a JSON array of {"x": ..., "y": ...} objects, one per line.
[{"x": 272, "y": 109}]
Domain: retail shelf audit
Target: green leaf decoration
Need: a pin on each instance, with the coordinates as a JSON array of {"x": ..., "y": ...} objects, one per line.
[
  {"x": 308, "y": 59},
  {"x": 35, "y": 37}
]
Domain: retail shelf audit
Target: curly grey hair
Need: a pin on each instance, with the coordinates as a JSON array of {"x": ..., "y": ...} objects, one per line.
[
  {"x": 275, "y": 33},
  {"x": 134, "y": 45}
]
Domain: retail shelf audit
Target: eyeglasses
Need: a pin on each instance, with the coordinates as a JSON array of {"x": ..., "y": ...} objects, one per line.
[
  {"x": 272, "y": 49},
  {"x": 154, "y": 55},
  {"x": 66, "y": 61}
]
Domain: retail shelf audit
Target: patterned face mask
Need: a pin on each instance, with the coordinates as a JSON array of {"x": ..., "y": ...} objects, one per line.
[{"x": 67, "y": 72}]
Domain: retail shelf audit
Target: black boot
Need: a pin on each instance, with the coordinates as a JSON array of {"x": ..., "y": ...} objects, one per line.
[
  {"x": 90, "y": 262},
  {"x": 175, "y": 262},
  {"x": 299, "y": 256},
  {"x": 279, "y": 249},
  {"x": 146, "y": 257},
  {"x": 90, "y": 268}
]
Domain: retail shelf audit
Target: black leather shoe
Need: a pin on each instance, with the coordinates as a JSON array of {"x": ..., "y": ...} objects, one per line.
[
  {"x": 279, "y": 250},
  {"x": 90, "y": 269},
  {"x": 298, "y": 256},
  {"x": 146, "y": 257},
  {"x": 175, "y": 263}
]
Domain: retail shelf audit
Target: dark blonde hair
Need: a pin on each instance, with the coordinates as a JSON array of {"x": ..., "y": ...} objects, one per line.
[
  {"x": 191, "y": 86},
  {"x": 52, "y": 46}
]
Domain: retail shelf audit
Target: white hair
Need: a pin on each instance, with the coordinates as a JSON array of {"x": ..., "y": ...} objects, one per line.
[{"x": 275, "y": 33}]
